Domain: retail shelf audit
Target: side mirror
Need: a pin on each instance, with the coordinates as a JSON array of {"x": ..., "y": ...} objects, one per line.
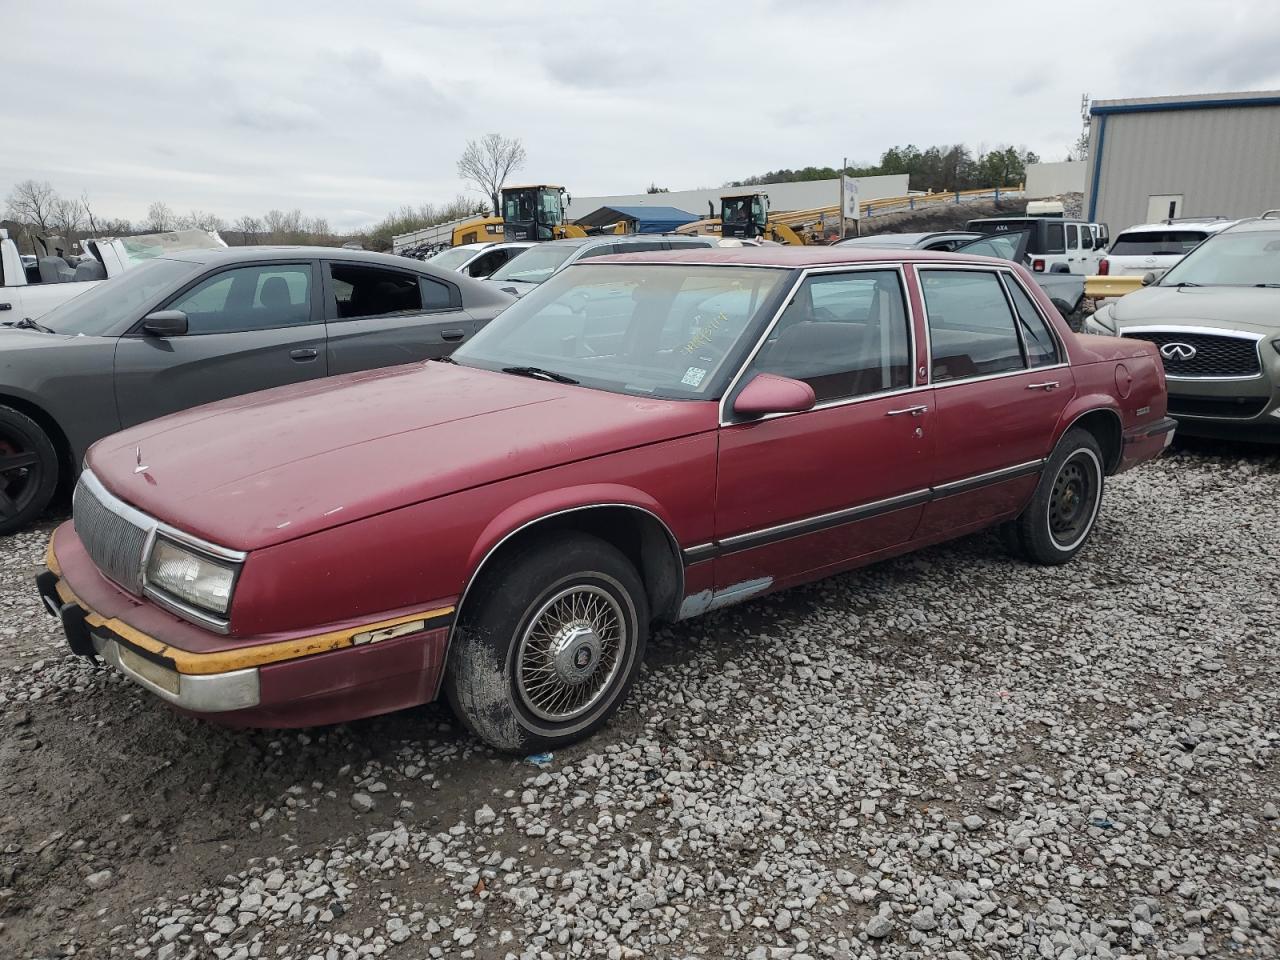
[
  {"x": 1148, "y": 278},
  {"x": 165, "y": 323},
  {"x": 770, "y": 393},
  {"x": 1102, "y": 243}
]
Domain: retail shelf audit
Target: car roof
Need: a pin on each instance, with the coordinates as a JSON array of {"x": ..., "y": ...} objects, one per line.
[
  {"x": 1254, "y": 225},
  {"x": 790, "y": 257},
  {"x": 1211, "y": 224},
  {"x": 221, "y": 255}
]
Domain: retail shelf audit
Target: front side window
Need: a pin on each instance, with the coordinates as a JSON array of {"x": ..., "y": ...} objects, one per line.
[
  {"x": 1072, "y": 237},
  {"x": 361, "y": 291},
  {"x": 663, "y": 330},
  {"x": 971, "y": 331},
  {"x": 1042, "y": 347},
  {"x": 248, "y": 298},
  {"x": 844, "y": 334}
]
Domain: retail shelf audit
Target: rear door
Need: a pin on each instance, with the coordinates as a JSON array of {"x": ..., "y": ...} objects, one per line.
[
  {"x": 1000, "y": 384},
  {"x": 379, "y": 316},
  {"x": 250, "y": 327}
]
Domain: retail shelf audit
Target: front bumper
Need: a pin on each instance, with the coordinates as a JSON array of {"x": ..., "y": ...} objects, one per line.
[{"x": 354, "y": 671}]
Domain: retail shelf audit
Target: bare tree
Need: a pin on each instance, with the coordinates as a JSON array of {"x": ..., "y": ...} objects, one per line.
[
  {"x": 66, "y": 218},
  {"x": 32, "y": 202},
  {"x": 282, "y": 226},
  {"x": 160, "y": 217},
  {"x": 201, "y": 220},
  {"x": 249, "y": 228},
  {"x": 488, "y": 162}
]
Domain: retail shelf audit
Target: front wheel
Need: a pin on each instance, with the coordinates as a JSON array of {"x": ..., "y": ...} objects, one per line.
[
  {"x": 28, "y": 470},
  {"x": 550, "y": 641},
  {"x": 1057, "y": 523}
]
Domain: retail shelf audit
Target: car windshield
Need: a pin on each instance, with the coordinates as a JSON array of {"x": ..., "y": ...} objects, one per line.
[
  {"x": 665, "y": 330},
  {"x": 1002, "y": 246},
  {"x": 1248, "y": 258},
  {"x": 99, "y": 311},
  {"x": 453, "y": 258},
  {"x": 535, "y": 264},
  {"x": 1156, "y": 243}
]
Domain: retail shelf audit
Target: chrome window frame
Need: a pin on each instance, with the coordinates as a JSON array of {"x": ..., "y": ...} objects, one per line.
[
  {"x": 881, "y": 266},
  {"x": 1257, "y": 338},
  {"x": 155, "y": 529},
  {"x": 928, "y": 336},
  {"x": 1007, "y": 278}
]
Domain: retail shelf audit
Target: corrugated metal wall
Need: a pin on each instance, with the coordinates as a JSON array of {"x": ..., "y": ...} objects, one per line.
[{"x": 1223, "y": 160}]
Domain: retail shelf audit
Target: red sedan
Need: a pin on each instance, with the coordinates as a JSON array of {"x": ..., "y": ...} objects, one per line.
[{"x": 639, "y": 440}]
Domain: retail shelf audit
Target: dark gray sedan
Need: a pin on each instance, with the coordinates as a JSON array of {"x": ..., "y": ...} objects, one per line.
[{"x": 202, "y": 325}]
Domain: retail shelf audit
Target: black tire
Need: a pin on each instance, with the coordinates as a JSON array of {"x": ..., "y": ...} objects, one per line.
[
  {"x": 502, "y": 678},
  {"x": 1057, "y": 523},
  {"x": 28, "y": 470}
]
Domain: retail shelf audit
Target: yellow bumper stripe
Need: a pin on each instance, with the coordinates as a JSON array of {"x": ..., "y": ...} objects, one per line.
[{"x": 241, "y": 658}]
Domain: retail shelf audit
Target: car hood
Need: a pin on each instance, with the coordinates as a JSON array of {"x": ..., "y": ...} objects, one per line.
[
  {"x": 272, "y": 466},
  {"x": 1253, "y": 309}
]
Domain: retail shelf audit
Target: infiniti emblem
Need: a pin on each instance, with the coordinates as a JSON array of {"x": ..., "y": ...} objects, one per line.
[
  {"x": 1177, "y": 351},
  {"x": 141, "y": 467}
]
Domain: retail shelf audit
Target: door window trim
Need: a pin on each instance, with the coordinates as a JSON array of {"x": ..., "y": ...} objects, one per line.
[
  {"x": 330, "y": 298},
  {"x": 166, "y": 302},
  {"x": 1006, "y": 280},
  {"x": 726, "y": 417},
  {"x": 928, "y": 337}
]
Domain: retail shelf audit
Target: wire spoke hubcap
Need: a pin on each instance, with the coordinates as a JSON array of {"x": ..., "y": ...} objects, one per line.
[{"x": 570, "y": 652}]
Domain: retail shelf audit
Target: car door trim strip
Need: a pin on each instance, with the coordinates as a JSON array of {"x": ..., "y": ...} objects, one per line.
[{"x": 865, "y": 511}]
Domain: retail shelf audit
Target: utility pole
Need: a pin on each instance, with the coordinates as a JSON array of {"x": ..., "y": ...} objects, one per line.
[{"x": 844, "y": 165}]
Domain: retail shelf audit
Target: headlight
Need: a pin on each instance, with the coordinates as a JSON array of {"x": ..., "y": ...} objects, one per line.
[
  {"x": 1101, "y": 323},
  {"x": 191, "y": 577}
]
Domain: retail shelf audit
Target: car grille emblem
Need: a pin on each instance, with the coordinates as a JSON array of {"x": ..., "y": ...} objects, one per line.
[{"x": 1177, "y": 351}]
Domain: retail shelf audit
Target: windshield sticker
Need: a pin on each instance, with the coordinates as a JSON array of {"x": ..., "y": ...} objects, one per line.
[
  {"x": 702, "y": 336},
  {"x": 693, "y": 376}
]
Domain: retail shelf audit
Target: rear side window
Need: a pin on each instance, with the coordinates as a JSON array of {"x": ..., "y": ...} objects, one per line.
[
  {"x": 971, "y": 330},
  {"x": 360, "y": 291},
  {"x": 1156, "y": 243},
  {"x": 1042, "y": 348},
  {"x": 1053, "y": 239},
  {"x": 248, "y": 298}
]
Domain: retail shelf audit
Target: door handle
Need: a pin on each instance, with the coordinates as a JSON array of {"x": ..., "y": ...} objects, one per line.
[
  {"x": 6, "y": 306},
  {"x": 914, "y": 411},
  {"x": 304, "y": 354},
  {"x": 1047, "y": 385},
  {"x": 452, "y": 335}
]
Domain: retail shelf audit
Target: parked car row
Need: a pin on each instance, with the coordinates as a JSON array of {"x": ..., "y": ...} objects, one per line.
[
  {"x": 635, "y": 440},
  {"x": 1215, "y": 318}
]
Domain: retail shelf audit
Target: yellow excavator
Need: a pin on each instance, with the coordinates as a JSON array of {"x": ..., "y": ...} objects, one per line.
[
  {"x": 744, "y": 215},
  {"x": 528, "y": 213}
]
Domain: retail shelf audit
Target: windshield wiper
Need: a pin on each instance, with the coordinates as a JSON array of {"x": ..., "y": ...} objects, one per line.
[
  {"x": 26, "y": 323},
  {"x": 1182, "y": 283},
  {"x": 539, "y": 374},
  {"x": 444, "y": 360},
  {"x": 1267, "y": 284}
]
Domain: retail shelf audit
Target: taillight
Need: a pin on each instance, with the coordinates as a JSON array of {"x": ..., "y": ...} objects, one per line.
[
  {"x": 1037, "y": 265},
  {"x": 1104, "y": 267}
]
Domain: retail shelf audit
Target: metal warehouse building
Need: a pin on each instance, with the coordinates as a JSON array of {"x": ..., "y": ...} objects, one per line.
[{"x": 1196, "y": 156}]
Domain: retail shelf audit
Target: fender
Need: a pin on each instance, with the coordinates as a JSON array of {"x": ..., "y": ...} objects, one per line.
[
  {"x": 1083, "y": 404},
  {"x": 552, "y": 503}
]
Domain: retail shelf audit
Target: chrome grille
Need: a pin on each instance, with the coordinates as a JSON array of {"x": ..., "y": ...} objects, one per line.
[
  {"x": 114, "y": 544},
  {"x": 1214, "y": 355}
]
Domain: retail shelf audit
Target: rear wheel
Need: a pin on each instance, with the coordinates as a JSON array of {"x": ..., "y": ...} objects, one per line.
[
  {"x": 28, "y": 470},
  {"x": 551, "y": 639},
  {"x": 1058, "y": 521}
]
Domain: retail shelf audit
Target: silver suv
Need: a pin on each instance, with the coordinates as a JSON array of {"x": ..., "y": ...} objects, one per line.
[{"x": 521, "y": 274}]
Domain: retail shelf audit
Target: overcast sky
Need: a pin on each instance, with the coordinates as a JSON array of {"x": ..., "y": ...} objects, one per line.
[{"x": 348, "y": 110}]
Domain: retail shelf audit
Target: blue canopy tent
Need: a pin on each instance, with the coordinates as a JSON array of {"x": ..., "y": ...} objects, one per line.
[{"x": 641, "y": 219}]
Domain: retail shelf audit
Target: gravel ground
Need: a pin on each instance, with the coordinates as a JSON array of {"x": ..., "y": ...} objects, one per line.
[{"x": 952, "y": 755}]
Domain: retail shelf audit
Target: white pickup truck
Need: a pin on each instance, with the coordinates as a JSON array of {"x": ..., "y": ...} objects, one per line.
[{"x": 31, "y": 288}]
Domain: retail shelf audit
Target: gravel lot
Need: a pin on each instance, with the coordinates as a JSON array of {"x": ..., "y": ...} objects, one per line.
[{"x": 952, "y": 755}]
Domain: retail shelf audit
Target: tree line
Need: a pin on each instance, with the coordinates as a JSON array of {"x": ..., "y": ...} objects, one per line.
[
  {"x": 39, "y": 210},
  {"x": 938, "y": 168}
]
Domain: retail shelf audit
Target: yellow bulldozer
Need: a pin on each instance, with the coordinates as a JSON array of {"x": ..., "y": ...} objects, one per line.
[
  {"x": 746, "y": 216},
  {"x": 528, "y": 213}
]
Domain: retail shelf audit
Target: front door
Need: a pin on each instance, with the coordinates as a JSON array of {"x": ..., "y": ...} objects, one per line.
[
  {"x": 249, "y": 328},
  {"x": 379, "y": 316},
  {"x": 1001, "y": 382},
  {"x": 803, "y": 494}
]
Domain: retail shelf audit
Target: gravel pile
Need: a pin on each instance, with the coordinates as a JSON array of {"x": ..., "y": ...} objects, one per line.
[{"x": 952, "y": 755}]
